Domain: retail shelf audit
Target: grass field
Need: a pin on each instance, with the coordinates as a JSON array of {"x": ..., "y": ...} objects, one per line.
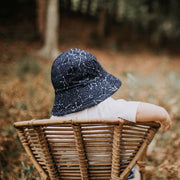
[{"x": 26, "y": 93}]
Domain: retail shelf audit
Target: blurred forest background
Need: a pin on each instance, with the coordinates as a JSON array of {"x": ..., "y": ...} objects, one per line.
[{"x": 136, "y": 40}]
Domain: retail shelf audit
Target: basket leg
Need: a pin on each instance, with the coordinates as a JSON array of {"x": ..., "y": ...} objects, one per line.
[{"x": 141, "y": 164}]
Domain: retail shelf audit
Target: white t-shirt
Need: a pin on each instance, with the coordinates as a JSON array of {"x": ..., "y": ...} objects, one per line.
[{"x": 109, "y": 108}]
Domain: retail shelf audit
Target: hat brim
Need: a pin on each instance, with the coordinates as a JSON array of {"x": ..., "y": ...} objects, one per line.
[{"x": 85, "y": 96}]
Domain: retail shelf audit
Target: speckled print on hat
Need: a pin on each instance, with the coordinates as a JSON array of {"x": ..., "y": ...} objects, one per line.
[{"x": 80, "y": 82}]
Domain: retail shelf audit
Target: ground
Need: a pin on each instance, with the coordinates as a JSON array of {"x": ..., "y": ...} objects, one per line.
[{"x": 26, "y": 93}]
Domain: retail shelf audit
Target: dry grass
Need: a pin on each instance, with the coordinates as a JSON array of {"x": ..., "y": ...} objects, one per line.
[{"x": 26, "y": 93}]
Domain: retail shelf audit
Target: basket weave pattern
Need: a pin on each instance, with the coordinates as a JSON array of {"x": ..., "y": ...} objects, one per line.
[{"x": 86, "y": 149}]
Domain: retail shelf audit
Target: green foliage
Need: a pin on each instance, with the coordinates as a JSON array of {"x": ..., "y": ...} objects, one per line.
[{"x": 158, "y": 19}]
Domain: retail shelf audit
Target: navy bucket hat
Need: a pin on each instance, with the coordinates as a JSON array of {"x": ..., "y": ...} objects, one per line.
[{"x": 80, "y": 82}]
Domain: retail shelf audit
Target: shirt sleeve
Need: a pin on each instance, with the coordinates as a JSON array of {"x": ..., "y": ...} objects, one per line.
[{"x": 125, "y": 109}]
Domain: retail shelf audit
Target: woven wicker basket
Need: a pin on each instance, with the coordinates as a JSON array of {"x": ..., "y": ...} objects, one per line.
[{"x": 86, "y": 149}]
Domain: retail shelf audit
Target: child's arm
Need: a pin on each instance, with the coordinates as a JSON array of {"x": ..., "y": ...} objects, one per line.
[{"x": 149, "y": 112}]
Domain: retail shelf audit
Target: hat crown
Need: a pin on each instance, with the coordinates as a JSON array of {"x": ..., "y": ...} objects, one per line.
[
  {"x": 80, "y": 82},
  {"x": 75, "y": 67}
]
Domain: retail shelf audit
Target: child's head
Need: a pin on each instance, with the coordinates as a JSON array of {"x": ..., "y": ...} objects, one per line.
[{"x": 80, "y": 82}]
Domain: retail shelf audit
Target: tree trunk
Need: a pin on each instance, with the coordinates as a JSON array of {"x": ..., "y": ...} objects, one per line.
[
  {"x": 80, "y": 5},
  {"x": 88, "y": 7},
  {"x": 41, "y": 18},
  {"x": 114, "y": 9},
  {"x": 102, "y": 23},
  {"x": 50, "y": 48},
  {"x": 68, "y": 5}
]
